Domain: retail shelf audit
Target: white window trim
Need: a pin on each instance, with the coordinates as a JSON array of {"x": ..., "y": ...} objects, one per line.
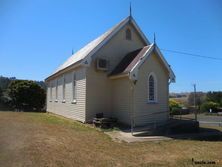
[
  {"x": 56, "y": 91},
  {"x": 50, "y": 91},
  {"x": 64, "y": 89},
  {"x": 74, "y": 97},
  {"x": 155, "y": 88}
]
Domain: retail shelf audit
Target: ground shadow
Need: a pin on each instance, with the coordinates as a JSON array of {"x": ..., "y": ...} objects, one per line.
[
  {"x": 178, "y": 129},
  {"x": 5, "y": 108},
  {"x": 204, "y": 134}
]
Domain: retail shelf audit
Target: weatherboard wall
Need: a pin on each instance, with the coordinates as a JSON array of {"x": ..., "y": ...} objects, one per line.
[
  {"x": 68, "y": 108},
  {"x": 118, "y": 46},
  {"x": 98, "y": 85},
  {"x": 146, "y": 112},
  {"x": 121, "y": 100}
]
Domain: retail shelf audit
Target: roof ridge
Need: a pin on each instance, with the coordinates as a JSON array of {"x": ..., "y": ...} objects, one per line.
[
  {"x": 87, "y": 48},
  {"x": 83, "y": 55},
  {"x": 106, "y": 32}
]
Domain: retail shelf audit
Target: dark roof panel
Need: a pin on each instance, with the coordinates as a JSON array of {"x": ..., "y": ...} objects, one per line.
[{"x": 129, "y": 61}]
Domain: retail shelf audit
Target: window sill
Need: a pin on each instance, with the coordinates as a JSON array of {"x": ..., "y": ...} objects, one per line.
[
  {"x": 74, "y": 101},
  {"x": 56, "y": 101},
  {"x": 63, "y": 101},
  {"x": 50, "y": 100},
  {"x": 152, "y": 102}
]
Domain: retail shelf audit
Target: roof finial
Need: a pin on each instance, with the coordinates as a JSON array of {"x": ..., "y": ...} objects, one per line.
[
  {"x": 130, "y": 10},
  {"x": 154, "y": 38}
]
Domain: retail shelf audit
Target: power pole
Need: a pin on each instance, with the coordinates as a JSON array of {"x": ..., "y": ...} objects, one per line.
[{"x": 195, "y": 110}]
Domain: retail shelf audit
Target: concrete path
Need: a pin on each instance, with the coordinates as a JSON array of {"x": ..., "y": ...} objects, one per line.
[
  {"x": 128, "y": 137},
  {"x": 120, "y": 136}
]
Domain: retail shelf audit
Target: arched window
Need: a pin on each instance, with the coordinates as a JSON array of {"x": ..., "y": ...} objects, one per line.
[
  {"x": 128, "y": 34},
  {"x": 152, "y": 88}
]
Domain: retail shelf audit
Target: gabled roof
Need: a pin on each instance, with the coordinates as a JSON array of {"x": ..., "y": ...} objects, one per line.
[
  {"x": 152, "y": 48},
  {"x": 83, "y": 56},
  {"x": 131, "y": 63}
]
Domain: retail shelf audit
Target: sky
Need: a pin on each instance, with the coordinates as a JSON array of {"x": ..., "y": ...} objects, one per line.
[{"x": 36, "y": 36}]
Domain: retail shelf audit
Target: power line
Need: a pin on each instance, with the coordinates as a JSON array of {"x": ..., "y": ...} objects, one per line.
[{"x": 191, "y": 54}]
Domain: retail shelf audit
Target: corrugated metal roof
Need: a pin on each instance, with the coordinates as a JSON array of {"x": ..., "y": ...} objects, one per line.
[{"x": 82, "y": 53}]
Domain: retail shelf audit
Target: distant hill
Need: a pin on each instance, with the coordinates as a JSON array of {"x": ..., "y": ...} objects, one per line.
[
  {"x": 179, "y": 95},
  {"x": 5, "y": 81}
]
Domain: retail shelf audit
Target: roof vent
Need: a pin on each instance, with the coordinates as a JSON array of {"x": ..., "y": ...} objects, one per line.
[{"x": 102, "y": 64}]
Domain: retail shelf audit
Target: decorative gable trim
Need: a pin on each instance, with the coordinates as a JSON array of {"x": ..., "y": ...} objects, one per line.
[
  {"x": 135, "y": 70},
  {"x": 139, "y": 30},
  {"x": 88, "y": 58},
  {"x": 172, "y": 75}
]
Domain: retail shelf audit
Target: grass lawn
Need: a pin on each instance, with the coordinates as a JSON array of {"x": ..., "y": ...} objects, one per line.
[{"x": 42, "y": 139}]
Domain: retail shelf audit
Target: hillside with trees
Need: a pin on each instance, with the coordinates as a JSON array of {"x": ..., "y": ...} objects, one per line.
[
  {"x": 204, "y": 101},
  {"x": 22, "y": 95}
]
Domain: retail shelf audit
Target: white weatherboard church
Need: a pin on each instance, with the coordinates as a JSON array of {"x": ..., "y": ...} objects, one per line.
[{"x": 120, "y": 74}]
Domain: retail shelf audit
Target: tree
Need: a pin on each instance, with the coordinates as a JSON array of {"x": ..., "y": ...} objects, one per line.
[
  {"x": 215, "y": 97},
  {"x": 26, "y": 95},
  {"x": 205, "y": 107},
  {"x": 4, "y": 82},
  {"x": 1, "y": 94},
  {"x": 200, "y": 98},
  {"x": 42, "y": 84}
]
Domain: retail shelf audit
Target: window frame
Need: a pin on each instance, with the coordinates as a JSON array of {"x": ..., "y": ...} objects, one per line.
[
  {"x": 74, "y": 88},
  {"x": 155, "y": 85},
  {"x": 64, "y": 89},
  {"x": 56, "y": 91},
  {"x": 50, "y": 91}
]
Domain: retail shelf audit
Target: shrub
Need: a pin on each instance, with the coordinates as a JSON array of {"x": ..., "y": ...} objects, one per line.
[
  {"x": 174, "y": 106},
  {"x": 215, "y": 97},
  {"x": 175, "y": 111},
  {"x": 26, "y": 95},
  {"x": 205, "y": 107}
]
